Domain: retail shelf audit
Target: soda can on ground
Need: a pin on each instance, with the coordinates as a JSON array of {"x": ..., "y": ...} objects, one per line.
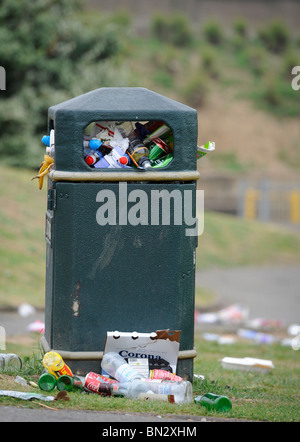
[{"x": 93, "y": 382}]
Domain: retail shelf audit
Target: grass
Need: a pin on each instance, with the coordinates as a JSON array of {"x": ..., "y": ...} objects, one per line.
[
  {"x": 22, "y": 249},
  {"x": 272, "y": 397}
]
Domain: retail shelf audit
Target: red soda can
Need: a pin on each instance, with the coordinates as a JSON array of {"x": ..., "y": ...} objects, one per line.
[{"x": 95, "y": 382}]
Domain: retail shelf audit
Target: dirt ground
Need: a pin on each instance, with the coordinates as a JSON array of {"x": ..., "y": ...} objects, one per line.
[{"x": 272, "y": 148}]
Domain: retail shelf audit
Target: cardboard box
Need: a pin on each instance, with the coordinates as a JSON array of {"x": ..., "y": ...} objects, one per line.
[{"x": 162, "y": 344}]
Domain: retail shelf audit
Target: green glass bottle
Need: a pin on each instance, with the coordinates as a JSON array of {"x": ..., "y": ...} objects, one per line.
[
  {"x": 47, "y": 382},
  {"x": 214, "y": 402},
  {"x": 69, "y": 383},
  {"x": 65, "y": 383}
]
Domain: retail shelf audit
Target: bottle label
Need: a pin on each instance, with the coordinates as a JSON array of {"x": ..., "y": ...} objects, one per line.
[
  {"x": 124, "y": 373},
  {"x": 164, "y": 375}
]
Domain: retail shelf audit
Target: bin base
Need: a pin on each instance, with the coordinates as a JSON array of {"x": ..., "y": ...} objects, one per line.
[{"x": 82, "y": 363}]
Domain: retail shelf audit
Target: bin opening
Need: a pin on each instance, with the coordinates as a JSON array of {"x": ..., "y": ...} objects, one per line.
[{"x": 127, "y": 144}]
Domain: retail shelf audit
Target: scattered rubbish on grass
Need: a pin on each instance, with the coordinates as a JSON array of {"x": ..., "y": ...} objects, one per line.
[
  {"x": 24, "y": 382},
  {"x": 255, "y": 336},
  {"x": 220, "y": 339},
  {"x": 293, "y": 329},
  {"x": 234, "y": 314},
  {"x": 26, "y": 310},
  {"x": 61, "y": 396},
  {"x": 247, "y": 364},
  {"x": 199, "y": 377},
  {"x": 36, "y": 327}
]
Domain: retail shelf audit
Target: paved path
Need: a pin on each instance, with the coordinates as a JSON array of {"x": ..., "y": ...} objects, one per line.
[{"x": 268, "y": 292}]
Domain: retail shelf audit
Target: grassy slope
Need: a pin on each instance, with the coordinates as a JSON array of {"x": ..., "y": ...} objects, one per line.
[
  {"x": 226, "y": 240},
  {"x": 22, "y": 247}
]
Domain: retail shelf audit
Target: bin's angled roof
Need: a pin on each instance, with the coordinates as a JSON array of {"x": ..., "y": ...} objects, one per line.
[{"x": 121, "y": 100}]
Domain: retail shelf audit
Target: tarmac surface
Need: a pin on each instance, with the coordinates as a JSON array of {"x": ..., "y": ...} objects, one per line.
[{"x": 268, "y": 292}]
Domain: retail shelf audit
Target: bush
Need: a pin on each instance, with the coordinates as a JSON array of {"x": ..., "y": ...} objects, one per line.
[
  {"x": 256, "y": 59},
  {"x": 196, "y": 90},
  {"x": 213, "y": 32},
  {"x": 174, "y": 29},
  {"x": 44, "y": 50},
  {"x": 240, "y": 28},
  {"x": 275, "y": 36},
  {"x": 209, "y": 62}
]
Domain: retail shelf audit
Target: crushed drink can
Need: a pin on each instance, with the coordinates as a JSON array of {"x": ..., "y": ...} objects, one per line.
[
  {"x": 164, "y": 375},
  {"x": 96, "y": 383}
]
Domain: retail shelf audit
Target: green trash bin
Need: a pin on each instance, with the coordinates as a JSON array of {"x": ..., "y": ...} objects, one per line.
[{"x": 120, "y": 251}]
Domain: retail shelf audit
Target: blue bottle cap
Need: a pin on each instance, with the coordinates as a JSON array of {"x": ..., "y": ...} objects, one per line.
[
  {"x": 95, "y": 144},
  {"x": 46, "y": 140}
]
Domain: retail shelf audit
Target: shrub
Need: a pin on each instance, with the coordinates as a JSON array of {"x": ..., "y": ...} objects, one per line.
[
  {"x": 240, "y": 28},
  {"x": 213, "y": 32},
  {"x": 47, "y": 54},
  {"x": 275, "y": 36},
  {"x": 196, "y": 90},
  {"x": 174, "y": 29}
]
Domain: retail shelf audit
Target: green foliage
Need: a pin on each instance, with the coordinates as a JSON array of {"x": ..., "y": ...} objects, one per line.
[
  {"x": 196, "y": 90},
  {"x": 213, "y": 32},
  {"x": 240, "y": 27},
  {"x": 44, "y": 50},
  {"x": 275, "y": 36},
  {"x": 173, "y": 29}
]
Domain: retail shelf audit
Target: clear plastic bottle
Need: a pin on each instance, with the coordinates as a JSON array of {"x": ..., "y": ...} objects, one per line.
[
  {"x": 117, "y": 367},
  {"x": 10, "y": 361},
  {"x": 176, "y": 392}
]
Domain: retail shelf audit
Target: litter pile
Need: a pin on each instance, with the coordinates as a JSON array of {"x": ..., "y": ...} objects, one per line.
[
  {"x": 124, "y": 373},
  {"x": 234, "y": 325},
  {"x": 122, "y": 145}
]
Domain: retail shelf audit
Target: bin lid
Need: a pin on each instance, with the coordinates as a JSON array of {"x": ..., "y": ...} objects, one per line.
[{"x": 70, "y": 118}]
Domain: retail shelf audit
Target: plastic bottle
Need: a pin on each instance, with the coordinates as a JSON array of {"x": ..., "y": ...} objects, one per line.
[
  {"x": 10, "y": 361},
  {"x": 93, "y": 144},
  {"x": 55, "y": 365},
  {"x": 117, "y": 367},
  {"x": 47, "y": 382},
  {"x": 48, "y": 140},
  {"x": 176, "y": 392},
  {"x": 213, "y": 401}
]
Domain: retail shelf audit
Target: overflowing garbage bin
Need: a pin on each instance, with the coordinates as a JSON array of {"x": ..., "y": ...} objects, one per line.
[{"x": 121, "y": 228}]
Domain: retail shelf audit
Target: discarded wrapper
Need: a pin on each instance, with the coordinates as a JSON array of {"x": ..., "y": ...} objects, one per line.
[
  {"x": 247, "y": 364},
  {"x": 162, "y": 344},
  {"x": 26, "y": 396}
]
